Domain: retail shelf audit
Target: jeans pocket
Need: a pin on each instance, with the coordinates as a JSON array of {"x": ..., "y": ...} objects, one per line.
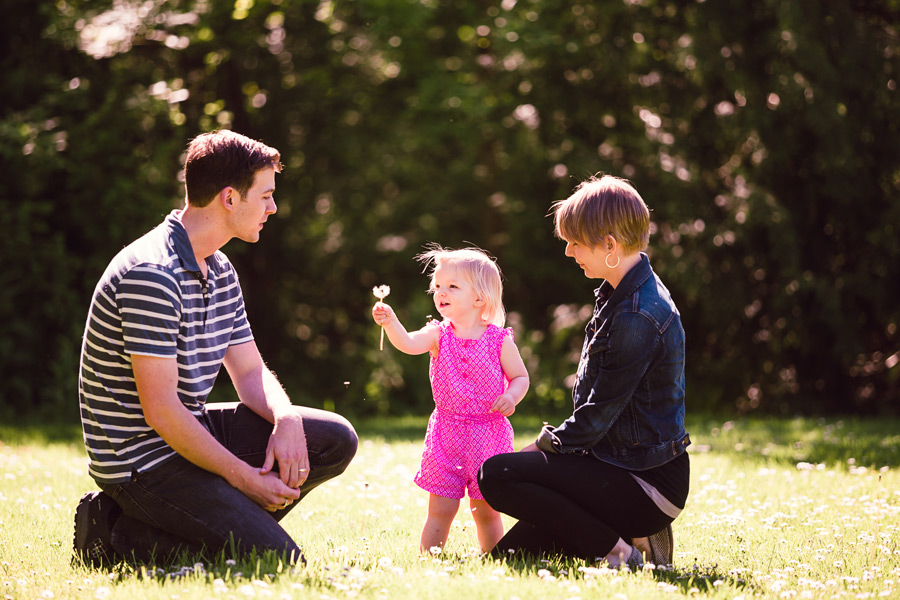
[{"x": 174, "y": 467}]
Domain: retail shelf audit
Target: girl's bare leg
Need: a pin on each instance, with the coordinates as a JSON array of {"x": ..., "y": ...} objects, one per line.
[
  {"x": 487, "y": 523},
  {"x": 441, "y": 512}
]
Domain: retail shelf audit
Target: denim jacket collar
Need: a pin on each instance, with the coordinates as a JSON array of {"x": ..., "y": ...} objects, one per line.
[{"x": 608, "y": 296}]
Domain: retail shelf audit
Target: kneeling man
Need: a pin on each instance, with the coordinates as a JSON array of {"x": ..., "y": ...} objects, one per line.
[{"x": 177, "y": 474}]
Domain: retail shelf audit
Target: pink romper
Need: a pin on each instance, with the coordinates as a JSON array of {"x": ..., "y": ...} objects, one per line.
[{"x": 463, "y": 432}]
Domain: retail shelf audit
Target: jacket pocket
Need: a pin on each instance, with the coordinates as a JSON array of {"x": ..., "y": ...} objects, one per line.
[{"x": 593, "y": 356}]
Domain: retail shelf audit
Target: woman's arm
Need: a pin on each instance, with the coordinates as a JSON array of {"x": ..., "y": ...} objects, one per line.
[{"x": 632, "y": 342}]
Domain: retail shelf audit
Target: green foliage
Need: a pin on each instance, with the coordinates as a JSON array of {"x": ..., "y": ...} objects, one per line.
[{"x": 762, "y": 135}]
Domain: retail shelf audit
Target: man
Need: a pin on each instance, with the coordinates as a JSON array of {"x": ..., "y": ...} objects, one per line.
[{"x": 177, "y": 474}]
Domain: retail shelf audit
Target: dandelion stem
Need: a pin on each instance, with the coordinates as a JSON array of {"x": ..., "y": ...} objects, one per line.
[
  {"x": 877, "y": 518},
  {"x": 362, "y": 529}
]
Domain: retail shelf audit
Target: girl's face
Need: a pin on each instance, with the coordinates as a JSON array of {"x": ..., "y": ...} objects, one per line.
[
  {"x": 591, "y": 260},
  {"x": 454, "y": 297}
]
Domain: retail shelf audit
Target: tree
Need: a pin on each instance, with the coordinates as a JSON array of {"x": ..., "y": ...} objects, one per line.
[{"x": 764, "y": 144}]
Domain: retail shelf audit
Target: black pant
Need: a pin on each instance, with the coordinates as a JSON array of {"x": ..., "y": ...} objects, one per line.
[{"x": 567, "y": 504}]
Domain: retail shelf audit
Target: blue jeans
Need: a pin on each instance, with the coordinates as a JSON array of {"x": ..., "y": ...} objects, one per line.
[{"x": 178, "y": 506}]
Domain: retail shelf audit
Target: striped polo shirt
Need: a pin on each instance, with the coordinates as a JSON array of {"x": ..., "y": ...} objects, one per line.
[{"x": 153, "y": 301}]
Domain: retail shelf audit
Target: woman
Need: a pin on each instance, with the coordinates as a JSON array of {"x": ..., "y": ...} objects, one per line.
[{"x": 607, "y": 483}]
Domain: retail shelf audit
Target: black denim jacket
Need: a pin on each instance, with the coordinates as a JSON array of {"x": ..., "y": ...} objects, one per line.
[{"x": 629, "y": 391}]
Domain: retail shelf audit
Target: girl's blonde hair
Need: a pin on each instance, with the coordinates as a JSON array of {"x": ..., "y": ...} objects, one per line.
[
  {"x": 476, "y": 268},
  {"x": 604, "y": 206}
]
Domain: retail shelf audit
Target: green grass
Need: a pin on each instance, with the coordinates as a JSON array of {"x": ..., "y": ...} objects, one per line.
[{"x": 778, "y": 509}]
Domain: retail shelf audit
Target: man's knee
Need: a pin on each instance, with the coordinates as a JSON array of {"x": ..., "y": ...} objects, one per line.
[
  {"x": 349, "y": 441},
  {"x": 343, "y": 442}
]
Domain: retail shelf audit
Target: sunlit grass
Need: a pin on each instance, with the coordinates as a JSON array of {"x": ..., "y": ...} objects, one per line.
[{"x": 778, "y": 509}]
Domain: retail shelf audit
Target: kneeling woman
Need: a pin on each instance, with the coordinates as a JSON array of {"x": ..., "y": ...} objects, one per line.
[{"x": 607, "y": 483}]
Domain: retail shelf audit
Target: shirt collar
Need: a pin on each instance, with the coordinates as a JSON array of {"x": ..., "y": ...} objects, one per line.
[{"x": 181, "y": 242}]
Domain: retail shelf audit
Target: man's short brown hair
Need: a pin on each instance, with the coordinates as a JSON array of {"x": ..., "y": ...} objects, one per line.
[{"x": 223, "y": 159}]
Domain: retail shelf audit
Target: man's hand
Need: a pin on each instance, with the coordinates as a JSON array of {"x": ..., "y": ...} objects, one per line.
[
  {"x": 267, "y": 490},
  {"x": 259, "y": 390},
  {"x": 287, "y": 445},
  {"x": 157, "y": 380}
]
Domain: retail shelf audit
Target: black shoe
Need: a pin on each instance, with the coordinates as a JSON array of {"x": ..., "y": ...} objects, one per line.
[
  {"x": 94, "y": 518},
  {"x": 662, "y": 546}
]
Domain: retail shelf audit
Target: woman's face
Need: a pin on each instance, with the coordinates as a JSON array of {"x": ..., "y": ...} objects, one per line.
[{"x": 591, "y": 259}]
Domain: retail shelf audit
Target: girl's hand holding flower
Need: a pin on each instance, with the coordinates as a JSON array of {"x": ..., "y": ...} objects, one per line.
[
  {"x": 380, "y": 292},
  {"x": 382, "y": 313}
]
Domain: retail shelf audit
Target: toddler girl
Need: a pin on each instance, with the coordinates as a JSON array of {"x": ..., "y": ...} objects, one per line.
[{"x": 477, "y": 379}]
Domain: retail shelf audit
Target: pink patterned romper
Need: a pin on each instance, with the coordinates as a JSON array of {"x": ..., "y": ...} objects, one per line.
[{"x": 463, "y": 432}]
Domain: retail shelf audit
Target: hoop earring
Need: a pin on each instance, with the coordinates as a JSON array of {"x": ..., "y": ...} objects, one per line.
[{"x": 618, "y": 260}]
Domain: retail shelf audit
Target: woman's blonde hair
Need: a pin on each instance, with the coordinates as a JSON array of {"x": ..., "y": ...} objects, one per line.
[
  {"x": 476, "y": 268},
  {"x": 600, "y": 207}
]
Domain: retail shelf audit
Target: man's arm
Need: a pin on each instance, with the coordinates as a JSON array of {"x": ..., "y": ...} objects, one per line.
[
  {"x": 258, "y": 388},
  {"x": 157, "y": 384}
]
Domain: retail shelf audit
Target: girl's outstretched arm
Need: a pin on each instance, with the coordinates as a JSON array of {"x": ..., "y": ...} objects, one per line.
[
  {"x": 515, "y": 371},
  {"x": 416, "y": 342}
]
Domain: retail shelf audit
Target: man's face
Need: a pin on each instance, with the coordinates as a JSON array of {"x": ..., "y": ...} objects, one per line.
[{"x": 251, "y": 210}]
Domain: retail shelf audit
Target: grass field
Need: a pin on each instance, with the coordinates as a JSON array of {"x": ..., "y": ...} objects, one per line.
[{"x": 778, "y": 509}]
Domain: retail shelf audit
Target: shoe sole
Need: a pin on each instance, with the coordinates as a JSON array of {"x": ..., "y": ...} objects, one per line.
[{"x": 91, "y": 553}]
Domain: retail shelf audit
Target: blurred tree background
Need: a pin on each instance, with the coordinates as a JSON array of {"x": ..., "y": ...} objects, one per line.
[{"x": 763, "y": 134}]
